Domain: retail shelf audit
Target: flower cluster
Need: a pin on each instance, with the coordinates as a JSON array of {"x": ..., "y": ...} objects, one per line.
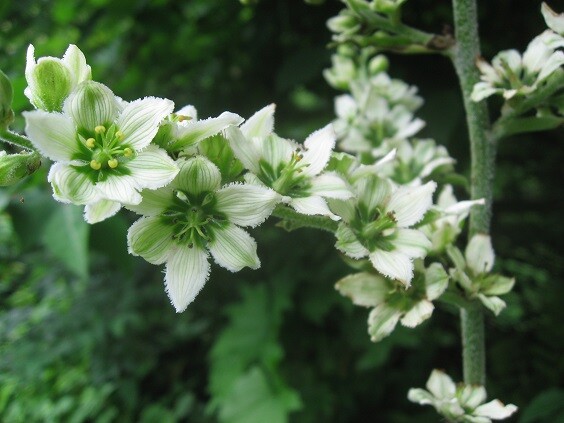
[
  {"x": 473, "y": 273},
  {"x": 378, "y": 108},
  {"x": 514, "y": 75},
  {"x": 459, "y": 403}
]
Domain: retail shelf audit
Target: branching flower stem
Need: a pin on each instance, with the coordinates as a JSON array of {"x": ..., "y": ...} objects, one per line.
[{"x": 482, "y": 148}]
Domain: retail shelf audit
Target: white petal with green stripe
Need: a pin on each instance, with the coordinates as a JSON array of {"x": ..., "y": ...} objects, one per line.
[
  {"x": 187, "y": 271},
  {"x": 197, "y": 175},
  {"x": 100, "y": 210},
  {"x": 53, "y": 134},
  {"x": 150, "y": 238},
  {"x": 246, "y": 205},
  {"x": 260, "y": 124},
  {"x": 233, "y": 249},
  {"x": 152, "y": 168},
  {"x": 71, "y": 186},
  {"x": 139, "y": 120},
  {"x": 90, "y": 105}
]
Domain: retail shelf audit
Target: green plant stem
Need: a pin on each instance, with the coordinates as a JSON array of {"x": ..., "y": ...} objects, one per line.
[
  {"x": 427, "y": 42},
  {"x": 301, "y": 220},
  {"x": 473, "y": 343},
  {"x": 482, "y": 149},
  {"x": 16, "y": 140}
]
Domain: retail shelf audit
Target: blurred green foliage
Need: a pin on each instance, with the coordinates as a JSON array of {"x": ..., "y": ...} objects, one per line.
[{"x": 86, "y": 331}]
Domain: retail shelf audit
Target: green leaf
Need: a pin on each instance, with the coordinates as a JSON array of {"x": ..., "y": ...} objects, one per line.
[
  {"x": 66, "y": 237},
  {"x": 254, "y": 400},
  {"x": 548, "y": 406}
]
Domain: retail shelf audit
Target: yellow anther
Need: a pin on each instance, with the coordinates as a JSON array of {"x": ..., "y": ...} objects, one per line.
[
  {"x": 127, "y": 152},
  {"x": 119, "y": 135},
  {"x": 94, "y": 164},
  {"x": 113, "y": 163},
  {"x": 182, "y": 118},
  {"x": 100, "y": 129},
  {"x": 90, "y": 142}
]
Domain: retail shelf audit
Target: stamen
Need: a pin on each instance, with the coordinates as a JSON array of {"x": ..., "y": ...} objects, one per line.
[
  {"x": 182, "y": 118},
  {"x": 113, "y": 163},
  {"x": 127, "y": 152},
  {"x": 119, "y": 135},
  {"x": 96, "y": 165},
  {"x": 100, "y": 129},
  {"x": 90, "y": 142}
]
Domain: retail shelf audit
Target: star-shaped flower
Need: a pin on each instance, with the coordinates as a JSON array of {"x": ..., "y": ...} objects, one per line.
[
  {"x": 294, "y": 171},
  {"x": 192, "y": 216},
  {"x": 101, "y": 148},
  {"x": 391, "y": 302},
  {"x": 376, "y": 224}
]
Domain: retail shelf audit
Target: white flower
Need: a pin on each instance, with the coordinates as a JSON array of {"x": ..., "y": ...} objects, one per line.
[
  {"x": 376, "y": 225},
  {"x": 392, "y": 302},
  {"x": 511, "y": 74},
  {"x": 415, "y": 160},
  {"x": 459, "y": 403},
  {"x": 101, "y": 149},
  {"x": 472, "y": 272},
  {"x": 378, "y": 109},
  {"x": 183, "y": 130},
  {"x": 50, "y": 80},
  {"x": 193, "y": 216},
  {"x": 444, "y": 230},
  {"x": 294, "y": 171}
]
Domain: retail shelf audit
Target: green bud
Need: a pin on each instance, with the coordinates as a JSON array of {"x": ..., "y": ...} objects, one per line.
[
  {"x": 343, "y": 22},
  {"x": 51, "y": 80},
  {"x": 15, "y": 167},
  {"x": 6, "y": 96},
  {"x": 378, "y": 64},
  {"x": 50, "y": 84}
]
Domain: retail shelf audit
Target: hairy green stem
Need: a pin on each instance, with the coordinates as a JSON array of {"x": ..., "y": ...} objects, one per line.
[
  {"x": 473, "y": 343},
  {"x": 301, "y": 220},
  {"x": 482, "y": 149},
  {"x": 16, "y": 140}
]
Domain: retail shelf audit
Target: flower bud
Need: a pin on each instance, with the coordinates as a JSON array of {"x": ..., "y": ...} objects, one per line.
[
  {"x": 378, "y": 64},
  {"x": 342, "y": 72},
  {"x": 6, "y": 95},
  {"x": 15, "y": 167},
  {"x": 50, "y": 80},
  {"x": 387, "y": 6},
  {"x": 343, "y": 22}
]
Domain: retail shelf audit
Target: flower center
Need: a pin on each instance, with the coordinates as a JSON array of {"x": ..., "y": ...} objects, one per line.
[
  {"x": 287, "y": 178},
  {"x": 106, "y": 148},
  {"x": 375, "y": 230},
  {"x": 193, "y": 218}
]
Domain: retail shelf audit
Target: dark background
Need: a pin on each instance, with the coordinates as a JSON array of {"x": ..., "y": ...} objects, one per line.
[{"x": 86, "y": 331}]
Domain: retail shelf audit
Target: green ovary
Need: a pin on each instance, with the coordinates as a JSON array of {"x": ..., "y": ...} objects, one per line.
[{"x": 193, "y": 219}]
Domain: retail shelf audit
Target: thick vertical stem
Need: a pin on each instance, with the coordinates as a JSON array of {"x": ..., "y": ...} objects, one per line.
[
  {"x": 473, "y": 344},
  {"x": 482, "y": 150}
]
